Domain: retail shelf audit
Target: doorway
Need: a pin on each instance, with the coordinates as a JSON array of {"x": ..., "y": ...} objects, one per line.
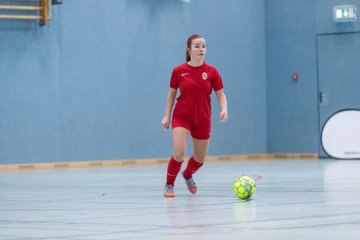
[{"x": 338, "y": 76}]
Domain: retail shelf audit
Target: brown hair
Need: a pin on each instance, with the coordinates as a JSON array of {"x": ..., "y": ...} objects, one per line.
[{"x": 189, "y": 41}]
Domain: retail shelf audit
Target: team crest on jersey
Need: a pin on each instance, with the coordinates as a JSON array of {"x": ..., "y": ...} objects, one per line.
[{"x": 204, "y": 76}]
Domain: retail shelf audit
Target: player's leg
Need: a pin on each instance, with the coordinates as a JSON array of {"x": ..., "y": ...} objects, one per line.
[
  {"x": 200, "y": 149},
  {"x": 195, "y": 162},
  {"x": 201, "y": 139},
  {"x": 180, "y": 138}
]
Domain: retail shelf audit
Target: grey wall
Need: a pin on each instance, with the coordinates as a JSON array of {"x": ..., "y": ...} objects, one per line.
[
  {"x": 93, "y": 85},
  {"x": 292, "y": 106}
]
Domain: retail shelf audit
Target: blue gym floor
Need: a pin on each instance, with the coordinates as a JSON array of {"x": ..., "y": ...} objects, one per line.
[{"x": 295, "y": 199}]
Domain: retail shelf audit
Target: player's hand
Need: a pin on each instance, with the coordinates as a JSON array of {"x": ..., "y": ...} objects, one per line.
[
  {"x": 223, "y": 116},
  {"x": 165, "y": 122}
]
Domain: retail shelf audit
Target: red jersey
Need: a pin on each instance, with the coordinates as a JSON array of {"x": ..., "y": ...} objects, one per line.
[{"x": 195, "y": 84}]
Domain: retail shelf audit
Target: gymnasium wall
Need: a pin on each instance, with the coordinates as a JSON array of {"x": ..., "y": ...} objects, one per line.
[
  {"x": 292, "y": 106},
  {"x": 93, "y": 85}
]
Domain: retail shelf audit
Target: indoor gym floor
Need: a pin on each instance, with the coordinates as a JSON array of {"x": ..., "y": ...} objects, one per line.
[{"x": 295, "y": 199}]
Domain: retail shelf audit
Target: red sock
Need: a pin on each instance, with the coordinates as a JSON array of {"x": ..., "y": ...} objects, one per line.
[
  {"x": 172, "y": 170},
  {"x": 192, "y": 167}
]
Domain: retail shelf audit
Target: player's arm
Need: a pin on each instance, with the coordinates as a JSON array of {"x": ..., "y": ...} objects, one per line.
[
  {"x": 223, "y": 105},
  {"x": 169, "y": 105}
]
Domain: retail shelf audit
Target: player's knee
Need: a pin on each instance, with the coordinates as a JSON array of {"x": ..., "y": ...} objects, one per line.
[
  {"x": 179, "y": 155},
  {"x": 200, "y": 158}
]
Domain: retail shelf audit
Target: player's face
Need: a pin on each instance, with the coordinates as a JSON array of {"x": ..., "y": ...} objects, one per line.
[{"x": 198, "y": 49}]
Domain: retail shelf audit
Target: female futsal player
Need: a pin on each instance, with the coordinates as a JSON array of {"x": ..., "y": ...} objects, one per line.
[{"x": 192, "y": 113}]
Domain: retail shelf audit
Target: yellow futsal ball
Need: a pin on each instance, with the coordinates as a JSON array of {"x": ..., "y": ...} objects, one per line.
[{"x": 244, "y": 187}]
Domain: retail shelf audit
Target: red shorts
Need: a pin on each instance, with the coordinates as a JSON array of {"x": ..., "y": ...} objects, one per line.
[{"x": 199, "y": 131}]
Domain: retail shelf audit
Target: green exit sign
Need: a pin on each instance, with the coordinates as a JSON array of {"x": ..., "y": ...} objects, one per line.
[{"x": 344, "y": 13}]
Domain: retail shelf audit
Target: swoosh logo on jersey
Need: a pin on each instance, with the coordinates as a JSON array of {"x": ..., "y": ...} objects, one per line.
[{"x": 184, "y": 74}]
